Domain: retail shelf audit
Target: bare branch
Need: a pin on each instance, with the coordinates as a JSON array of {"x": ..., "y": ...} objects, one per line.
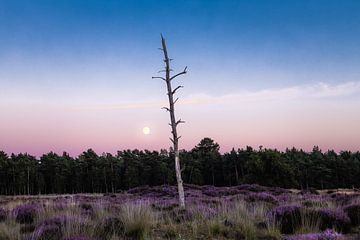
[
  {"x": 174, "y": 91},
  {"x": 178, "y": 137},
  {"x": 166, "y": 108},
  {"x": 181, "y": 73},
  {"x": 171, "y": 140},
  {"x": 159, "y": 78},
  {"x": 179, "y": 121},
  {"x": 176, "y": 100}
]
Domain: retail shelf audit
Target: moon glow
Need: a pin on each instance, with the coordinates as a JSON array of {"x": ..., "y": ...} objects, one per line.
[{"x": 146, "y": 130}]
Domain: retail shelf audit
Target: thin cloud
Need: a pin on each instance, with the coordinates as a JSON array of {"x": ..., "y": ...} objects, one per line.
[{"x": 316, "y": 91}]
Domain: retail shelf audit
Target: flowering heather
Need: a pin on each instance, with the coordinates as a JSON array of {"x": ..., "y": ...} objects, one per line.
[
  {"x": 330, "y": 218},
  {"x": 78, "y": 238},
  {"x": 154, "y": 192},
  {"x": 262, "y": 196},
  {"x": 3, "y": 215},
  {"x": 327, "y": 235},
  {"x": 252, "y": 187},
  {"x": 87, "y": 209},
  {"x": 288, "y": 217},
  {"x": 26, "y": 213},
  {"x": 353, "y": 211},
  {"x": 48, "y": 232},
  {"x": 278, "y": 191},
  {"x": 165, "y": 205},
  {"x": 219, "y": 191},
  {"x": 51, "y": 228},
  {"x": 239, "y": 212},
  {"x": 344, "y": 198}
]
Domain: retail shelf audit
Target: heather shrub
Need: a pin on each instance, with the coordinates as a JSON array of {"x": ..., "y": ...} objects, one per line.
[
  {"x": 263, "y": 197},
  {"x": 278, "y": 191},
  {"x": 327, "y": 235},
  {"x": 353, "y": 211},
  {"x": 288, "y": 217},
  {"x": 60, "y": 226},
  {"x": 252, "y": 187},
  {"x": 165, "y": 206},
  {"x": 78, "y": 238},
  {"x": 27, "y": 228},
  {"x": 330, "y": 218},
  {"x": 212, "y": 191},
  {"x": 49, "y": 232},
  {"x": 316, "y": 203},
  {"x": 51, "y": 229},
  {"x": 138, "y": 218},
  {"x": 343, "y": 198},
  {"x": 3, "y": 215},
  {"x": 87, "y": 209},
  {"x": 25, "y": 213}
]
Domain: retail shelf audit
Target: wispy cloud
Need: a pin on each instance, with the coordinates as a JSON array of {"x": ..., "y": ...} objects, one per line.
[{"x": 315, "y": 91}]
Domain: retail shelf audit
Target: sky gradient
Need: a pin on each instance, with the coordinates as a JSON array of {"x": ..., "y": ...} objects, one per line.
[{"x": 77, "y": 74}]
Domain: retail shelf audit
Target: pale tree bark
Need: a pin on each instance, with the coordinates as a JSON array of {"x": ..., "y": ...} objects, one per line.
[{"x": 173, "y": 122}]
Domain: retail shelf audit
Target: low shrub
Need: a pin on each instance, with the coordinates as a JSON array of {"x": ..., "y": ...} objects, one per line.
[
  {"x": 51, "y": 229},
  {"x": 49, "y": 232},
  {"x": 78, "y": 238},
  {"x": 27, "y": 228},
  {"x": 3, "y": 215},
  {"x": 327, "y": 235},
  {"x": 25, "y": 213},
  {"x": 87, "y": 209},
  {"x": 330, "y": 218},
  {"x": 252, "y": 187},
  {"x": 315, "y": 203},
  {"x": 288, "y": 217},
  {"x": 263, "y": 197},
  {"x": 353, "y": 211}
]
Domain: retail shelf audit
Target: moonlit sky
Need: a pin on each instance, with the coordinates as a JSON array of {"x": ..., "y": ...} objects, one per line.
[{"x": 77, "y": 74}]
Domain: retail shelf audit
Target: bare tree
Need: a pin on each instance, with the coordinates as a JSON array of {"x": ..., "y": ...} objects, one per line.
[{"x": 174, "y": 123}]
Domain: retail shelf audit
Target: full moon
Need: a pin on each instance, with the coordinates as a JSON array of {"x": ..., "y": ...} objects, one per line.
[{"x": 146, "y": 130}]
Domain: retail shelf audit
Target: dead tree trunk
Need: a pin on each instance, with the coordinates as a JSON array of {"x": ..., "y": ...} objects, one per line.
[{"x": 173, "y": 122}]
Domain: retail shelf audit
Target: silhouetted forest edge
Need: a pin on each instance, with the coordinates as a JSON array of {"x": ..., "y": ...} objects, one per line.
[{"x": 203, "y": 165}]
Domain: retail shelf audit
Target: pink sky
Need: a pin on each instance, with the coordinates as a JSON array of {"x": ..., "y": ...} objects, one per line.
[{"x": 302, "y": 116}]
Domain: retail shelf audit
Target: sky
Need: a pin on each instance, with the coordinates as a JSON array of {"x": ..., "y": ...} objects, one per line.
[{"x": 77, "y": 74}]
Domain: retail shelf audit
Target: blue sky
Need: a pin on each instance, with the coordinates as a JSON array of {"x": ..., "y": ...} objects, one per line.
[{"x": 98, "y": 54}]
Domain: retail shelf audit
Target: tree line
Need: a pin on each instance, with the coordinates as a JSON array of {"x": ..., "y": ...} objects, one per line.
[{"x": 203, "y": 165}]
